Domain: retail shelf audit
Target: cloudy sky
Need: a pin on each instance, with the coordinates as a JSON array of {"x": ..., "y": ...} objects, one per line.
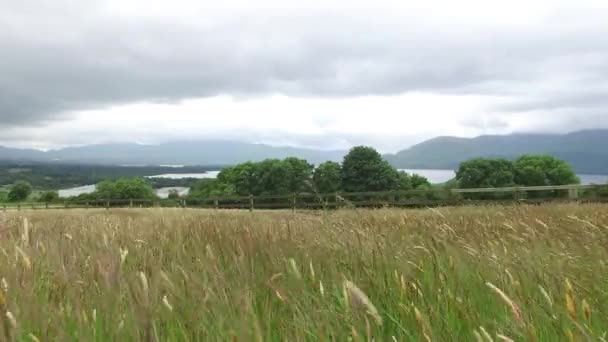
[{"x": 316, "y": 73}]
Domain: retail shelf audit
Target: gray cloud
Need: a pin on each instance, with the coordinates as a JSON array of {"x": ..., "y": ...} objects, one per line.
[{"x": 74, "y": 56}]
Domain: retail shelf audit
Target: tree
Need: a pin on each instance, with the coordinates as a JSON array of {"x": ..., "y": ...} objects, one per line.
[
  {"x": 299, "y": 174},
  {"x": 419, "y": 182},
  {"x": 405, "y": 181},
  {"x": 537, "y": 170},
  {"x": 49, "y": 196},
  {"x": 173, "y": 194},
  {"x": 134, "y": 188},
  {"x": 328, "y": 177},
  {"x": 364, "y": 170},
  {"x": 273, "y": 177},
  {"x": 486, "y": 173},
  {"x": 124, "y": 188},
  {"x": 210, "y": 188},
  {"x": 20, "y": 191}
]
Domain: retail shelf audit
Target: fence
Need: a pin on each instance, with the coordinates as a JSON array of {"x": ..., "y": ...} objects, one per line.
[{"x": 412, "y": 198}]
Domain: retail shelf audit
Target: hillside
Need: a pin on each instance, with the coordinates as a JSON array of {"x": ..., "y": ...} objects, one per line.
[
  {"x": 585, "y": 150},
  {"x": 177, "y": 153}
]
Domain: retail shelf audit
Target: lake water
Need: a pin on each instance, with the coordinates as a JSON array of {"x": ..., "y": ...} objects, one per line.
[
  {"x": 87, "y": 189},
  {"x": 205, "y": 175},
  {"x": 442, "y": 176},
  {"x": 434, "y": 176}
]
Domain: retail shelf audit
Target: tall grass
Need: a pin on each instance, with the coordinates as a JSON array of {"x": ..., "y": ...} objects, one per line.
[{"x": 453, "y": 274}]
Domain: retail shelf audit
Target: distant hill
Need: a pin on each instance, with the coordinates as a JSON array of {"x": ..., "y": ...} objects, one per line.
[
  {"x": 586, "y": 151},
  {"x": 211, "y": 152}
]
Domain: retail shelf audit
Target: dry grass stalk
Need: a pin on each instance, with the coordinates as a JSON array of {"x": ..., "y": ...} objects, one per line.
[
  {"x": 546, "y": 296},
  {"x": 570, "y": 302},
  {"x": 515, "y": 310},
  {"x": 422, "y": 324},
  {"x": 27, "y": 263},
  {"x": 358, "y": 299},
  {"x": 25, "y": 235},
  {"x": 486, "y": 335},
  {"x": 504, "y": 338},
  {"x": 587, "y": 310}
]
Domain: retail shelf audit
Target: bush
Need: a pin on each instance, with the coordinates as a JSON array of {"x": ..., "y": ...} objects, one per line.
[
  {"x": 20, "y": 191},
  {"x": 49, "y": 197}
]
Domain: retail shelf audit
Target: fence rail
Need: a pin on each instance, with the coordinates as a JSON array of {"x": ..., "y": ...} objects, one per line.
[{"x": 410, "y": 198}]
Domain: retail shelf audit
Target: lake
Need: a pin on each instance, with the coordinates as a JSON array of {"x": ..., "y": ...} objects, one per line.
[
  {"x": 87, "y": 189},
  {"x": 205, "y": 175},
  {"x": 442, "y": 176},
  {"x": 434, "y": 176}
]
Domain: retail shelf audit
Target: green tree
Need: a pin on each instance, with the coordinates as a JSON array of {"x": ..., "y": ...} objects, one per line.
[
  {"x": 244, "y": 178},
  {"x": 537, "y": 170},
  {"x": 299, "y": 174},
  {"x": 134, "y": 188},
  {"x": 419, "y": 182},
  {"x": 274, "y": 177},
  {"x": 49, "y": 197},
  {"x": 328, "y": 177},
  {"x": 173, "y": 194},
  {"x": 405, "y": 181},
  {"x": 124, "y": 188},
  {"x": 486, "y": 173},
  {"x": 20, "y": 191},
  {"x": 364, "y": 170},
  {"x": 211, "y": 188}
]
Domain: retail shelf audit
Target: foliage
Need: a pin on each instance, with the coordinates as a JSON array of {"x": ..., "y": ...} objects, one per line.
[
  {"x": 19, "y": 191},
  {"x": 210, "y": 188},
  {"x": 419, "y": 182},
  {"x": 327, "y": 177},
  {"x": 122, "y": 189},
  {"x": 364, "y": 170},
  {"x": 486, "y": 173},
  {"x": 243, "y": 178},
  {"x": 173, "y": 195},
  {"x": 299, "y": 174},
  {"x": 529, "y": 273},
  {"x": 60, "y": 176},
  {"x": 49, "y": 197},
  {"x": 536, "y": 170}
]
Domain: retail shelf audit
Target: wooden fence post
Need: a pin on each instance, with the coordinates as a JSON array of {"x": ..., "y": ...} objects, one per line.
[
  {"x": 294, "y": 202},
  {"x": 130, "y": 203},
  {"x": 107, "y": 205},
  {"x": 216, "y": 203},
  {"x": 46, "y": 205},
  {"x": 251, "y": 203}
]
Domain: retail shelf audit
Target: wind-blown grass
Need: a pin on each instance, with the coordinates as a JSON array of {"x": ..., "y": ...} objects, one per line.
[{"x": 537, "y": 273}]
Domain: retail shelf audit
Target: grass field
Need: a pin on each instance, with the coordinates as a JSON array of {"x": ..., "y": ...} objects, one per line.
[{"x": 537, "y": 273}]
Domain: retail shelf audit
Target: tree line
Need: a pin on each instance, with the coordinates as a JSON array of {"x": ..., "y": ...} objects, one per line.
[{"x": 362, "y": 170}]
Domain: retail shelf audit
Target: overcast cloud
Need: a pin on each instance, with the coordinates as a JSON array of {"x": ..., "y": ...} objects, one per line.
[{"x": 387, "y": 73}]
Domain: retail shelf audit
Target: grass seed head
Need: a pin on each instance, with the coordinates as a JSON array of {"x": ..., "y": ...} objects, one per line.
[
  {"x": 358, "y": 299},
  {"x": 515, "y": 310},
  {"x": 570, "y": 302}
]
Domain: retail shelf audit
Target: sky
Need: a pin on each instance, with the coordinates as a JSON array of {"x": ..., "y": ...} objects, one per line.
[{"x": 316, "y": 73}]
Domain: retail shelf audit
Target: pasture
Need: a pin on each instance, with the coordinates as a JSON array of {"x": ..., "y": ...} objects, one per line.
[{"x": 495, "y": 273}]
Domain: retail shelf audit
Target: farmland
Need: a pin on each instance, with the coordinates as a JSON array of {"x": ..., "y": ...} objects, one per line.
[{"x": 537, "y": 273}]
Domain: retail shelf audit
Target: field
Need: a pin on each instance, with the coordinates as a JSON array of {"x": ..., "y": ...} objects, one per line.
[{"x": 523, "y": 273}]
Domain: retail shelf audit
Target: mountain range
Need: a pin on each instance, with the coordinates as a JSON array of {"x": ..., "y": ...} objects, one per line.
[{"x": 586, "y": 151}]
